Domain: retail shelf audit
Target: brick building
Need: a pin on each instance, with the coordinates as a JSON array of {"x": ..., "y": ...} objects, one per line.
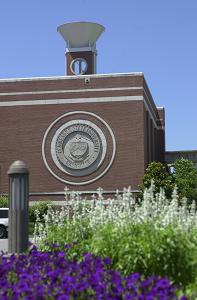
[{"x": 83, "y": 130}]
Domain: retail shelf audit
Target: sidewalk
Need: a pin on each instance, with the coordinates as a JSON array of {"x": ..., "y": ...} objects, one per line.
[{"x": 4, "y": 244}]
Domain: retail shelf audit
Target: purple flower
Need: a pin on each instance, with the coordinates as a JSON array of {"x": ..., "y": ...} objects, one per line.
[
  {"x": 67, "y": 246},
  {"x": 37, "y": 275}
]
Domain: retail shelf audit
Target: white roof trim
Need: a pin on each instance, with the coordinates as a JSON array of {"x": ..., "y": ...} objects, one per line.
[
  {"x": 72, "y": 91},
  {"x": 79, "y": 100},
  {"x": 73, "y": 100},
  {"x": 72, "y": 77}
]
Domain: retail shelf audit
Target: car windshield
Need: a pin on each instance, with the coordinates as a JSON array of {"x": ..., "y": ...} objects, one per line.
[{"x": 3, "y": 213}]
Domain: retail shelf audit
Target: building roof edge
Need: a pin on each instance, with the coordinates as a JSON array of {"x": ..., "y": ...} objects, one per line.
[{"x": 70, "y": 77}]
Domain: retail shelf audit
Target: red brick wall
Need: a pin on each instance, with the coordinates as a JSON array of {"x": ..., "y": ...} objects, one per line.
[
  {"x": 22, "y": 128},
  {"x": 23, "y": 132}
]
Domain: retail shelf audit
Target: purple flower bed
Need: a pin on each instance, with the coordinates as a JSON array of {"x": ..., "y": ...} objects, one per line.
[{"x": 50, "y": 275}]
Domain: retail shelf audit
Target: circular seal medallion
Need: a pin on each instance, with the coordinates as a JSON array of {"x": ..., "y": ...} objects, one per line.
[{"x": 78, "y": 147}]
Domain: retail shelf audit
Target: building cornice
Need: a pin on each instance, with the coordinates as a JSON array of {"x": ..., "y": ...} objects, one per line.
[
  {"x": 72, "y": 77},
  {"x": 15, "y": 103}
]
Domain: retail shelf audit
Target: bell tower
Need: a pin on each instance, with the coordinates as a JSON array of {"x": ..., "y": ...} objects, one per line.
[{"x": 81, "y": 51}]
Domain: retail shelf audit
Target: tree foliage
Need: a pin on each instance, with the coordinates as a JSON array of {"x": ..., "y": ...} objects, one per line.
[
  {"x": 158, "y": 172},
  {"x": 184, "y": 177}
]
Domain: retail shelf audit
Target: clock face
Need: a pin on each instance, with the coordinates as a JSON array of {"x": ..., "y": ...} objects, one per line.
[{"x": 79, "y": 66}]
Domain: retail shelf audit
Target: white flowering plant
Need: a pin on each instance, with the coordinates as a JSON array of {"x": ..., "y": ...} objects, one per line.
[{"x": 153, "y": 236}]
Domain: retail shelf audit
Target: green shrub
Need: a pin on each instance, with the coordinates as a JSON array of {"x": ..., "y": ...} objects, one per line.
[
  {"x": 135, "y": 248},
  {"x": 3, "y": 201},
  {"x": 31, "y": 228},
  {"x": 142, "y": 248},
  {"x": 156, "y": 237},
  {"x": 41, "y": 207}
]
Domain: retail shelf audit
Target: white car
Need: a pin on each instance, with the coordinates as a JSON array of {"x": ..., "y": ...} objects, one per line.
[{"x": 3, "y": 222}]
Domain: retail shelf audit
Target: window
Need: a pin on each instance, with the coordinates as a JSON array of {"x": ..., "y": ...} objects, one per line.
[{"x": 3, "y": 213}]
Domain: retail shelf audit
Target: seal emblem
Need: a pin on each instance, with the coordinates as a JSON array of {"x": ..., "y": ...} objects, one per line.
[{"x": 78, "y": 147}]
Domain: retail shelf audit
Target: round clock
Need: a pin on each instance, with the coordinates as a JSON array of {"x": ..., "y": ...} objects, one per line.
[{"x": 79, "y": 66}]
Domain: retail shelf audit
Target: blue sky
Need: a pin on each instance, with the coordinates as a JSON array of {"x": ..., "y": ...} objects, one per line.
[{"x": 158, "y": 38}]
